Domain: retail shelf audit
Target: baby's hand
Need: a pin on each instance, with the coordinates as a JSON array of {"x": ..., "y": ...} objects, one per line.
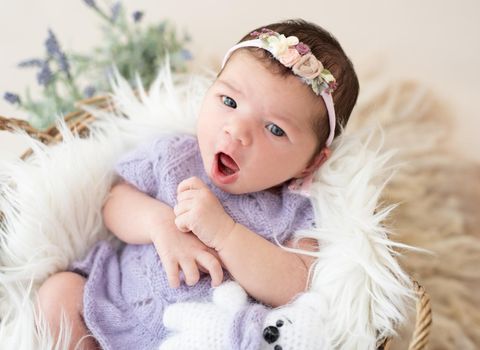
[
  {"x": 184, "y": 251},
  {"x": 199, "y": 210}
]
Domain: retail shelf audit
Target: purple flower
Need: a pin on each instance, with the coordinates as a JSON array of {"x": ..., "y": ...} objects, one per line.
[
  {"x": 63, "y": 63},
  {"x": 53, "y": 49},
  {"x": 12, "y": 98},
  {"x": 45, "y": 75},
  {"x": 186, "y": 55},
  {"x": 89, "y": 91},
  {"x": 34, "y": 62},
  {"x": 52, "y": 44},
  {"x": 302, "y": 48},
  {"x": 115, "y": 11},
  {"x": 332, "y": 86},
  {"x": 137, "y": 16},
  {"x": 90, "y": 3}
]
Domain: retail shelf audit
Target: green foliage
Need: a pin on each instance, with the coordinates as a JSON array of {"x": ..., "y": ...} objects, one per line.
[{"x": 66, "y": 77}]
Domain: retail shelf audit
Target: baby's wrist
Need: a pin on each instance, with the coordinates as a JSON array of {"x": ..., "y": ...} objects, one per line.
[
  {"x": 160, "y": 231},
  {"x": 155, "y": 235},
  {"x": 223, "y": 234},
  {"x": 158, "y": 222}
]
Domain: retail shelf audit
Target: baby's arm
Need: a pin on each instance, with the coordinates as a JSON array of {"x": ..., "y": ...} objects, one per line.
[
  {"x": 136, "y": 218},
  {"x": 266, "y": 271},
  {"x": 133, "y": 216}
]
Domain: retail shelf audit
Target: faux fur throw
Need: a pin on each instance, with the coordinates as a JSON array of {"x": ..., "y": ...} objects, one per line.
[{"x": 52, "y": 215}]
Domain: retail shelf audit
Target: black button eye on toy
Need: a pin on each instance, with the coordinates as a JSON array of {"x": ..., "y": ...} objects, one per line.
[{"x": 271, "y": 334}]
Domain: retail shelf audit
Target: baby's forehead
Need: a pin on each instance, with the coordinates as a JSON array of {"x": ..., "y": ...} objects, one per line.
[{"x": 260, "y": 57}]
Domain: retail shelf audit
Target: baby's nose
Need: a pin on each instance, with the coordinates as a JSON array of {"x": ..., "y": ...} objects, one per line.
[
  {"x": 271, "y": 334},
  {"x": 240, "y": 130}
]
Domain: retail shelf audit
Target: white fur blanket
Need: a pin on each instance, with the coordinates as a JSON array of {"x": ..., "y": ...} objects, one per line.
[{"x": 52, "y": 204}]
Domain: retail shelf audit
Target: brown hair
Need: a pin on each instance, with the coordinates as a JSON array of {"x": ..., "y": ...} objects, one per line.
[{"x": 328, "y": 51}]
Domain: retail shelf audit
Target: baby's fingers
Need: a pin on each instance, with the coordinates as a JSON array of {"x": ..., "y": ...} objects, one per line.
[
  {"x": 190, "y": 271},
  {"x": 182, "y": 207},
  {"x": 192, "y": 183},
  {"x": 210, "y": 263},
  {"x": 172, "y": 271},
  {"x": 183, "y": 223}
]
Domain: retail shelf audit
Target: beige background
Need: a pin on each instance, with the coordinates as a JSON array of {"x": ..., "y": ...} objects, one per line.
[{"x": 436, "y": 42}]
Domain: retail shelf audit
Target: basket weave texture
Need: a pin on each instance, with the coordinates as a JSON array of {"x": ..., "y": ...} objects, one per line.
[{"x": 78, "y": 122}]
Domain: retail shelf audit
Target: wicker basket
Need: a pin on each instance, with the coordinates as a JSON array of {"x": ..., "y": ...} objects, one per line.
[{"x": 78, "y": 122}]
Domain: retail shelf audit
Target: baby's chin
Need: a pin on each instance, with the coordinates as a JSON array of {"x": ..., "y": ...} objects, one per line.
[
  {"x": 236, "y": 187},
  {"x": 233, "y": 188}
]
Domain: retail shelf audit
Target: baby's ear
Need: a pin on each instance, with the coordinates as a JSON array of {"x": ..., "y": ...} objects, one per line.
[{"x": 316, "y": 162}]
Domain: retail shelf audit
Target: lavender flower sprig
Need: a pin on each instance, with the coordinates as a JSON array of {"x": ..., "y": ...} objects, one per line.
[
  {"x": 33, "y": 62},
  {"x": 89, "y": 91},
  {"x": 115, "y": 11},
  {"x": 54, "y": 51},
  {"x": 12, "y": 98},
  {"x": 44, "y": 76},
  {"x": 90, "y": 3},
  {"x": 137, "y": 16}
]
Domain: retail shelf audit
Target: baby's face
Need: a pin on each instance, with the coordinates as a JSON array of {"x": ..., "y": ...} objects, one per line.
[{"x": 255, "y": 127}]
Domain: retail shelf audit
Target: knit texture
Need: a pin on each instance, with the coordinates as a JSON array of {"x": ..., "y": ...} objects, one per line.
[{"x": 127, "y": 290}]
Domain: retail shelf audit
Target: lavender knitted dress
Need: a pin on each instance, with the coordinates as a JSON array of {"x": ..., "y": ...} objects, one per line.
[{"x": 127, "y": 290}]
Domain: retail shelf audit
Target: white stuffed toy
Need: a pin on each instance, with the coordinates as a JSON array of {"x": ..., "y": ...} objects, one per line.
[{"x": 230, "y": 322}]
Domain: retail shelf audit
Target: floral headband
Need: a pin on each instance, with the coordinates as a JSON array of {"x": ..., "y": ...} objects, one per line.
[{"x": 297, "y": 56}]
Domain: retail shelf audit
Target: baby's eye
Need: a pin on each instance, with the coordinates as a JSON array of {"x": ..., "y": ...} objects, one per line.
[
  {"x": 227, "y": 101},
  {"x": 275, "y": 130}
]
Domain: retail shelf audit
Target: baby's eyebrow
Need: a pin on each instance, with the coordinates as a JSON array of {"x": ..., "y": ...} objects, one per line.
[
  {"x": 292, "y": 122},
  {"x": 230, "y": 86}
]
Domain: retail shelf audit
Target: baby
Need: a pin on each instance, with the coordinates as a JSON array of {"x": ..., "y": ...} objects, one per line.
[{"x": 195, "y": 211}]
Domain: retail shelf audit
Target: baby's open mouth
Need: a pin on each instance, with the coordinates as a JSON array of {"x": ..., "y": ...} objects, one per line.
[{"x": 226, "y": 164}]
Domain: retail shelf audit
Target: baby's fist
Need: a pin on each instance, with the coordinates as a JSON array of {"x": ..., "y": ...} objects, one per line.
[{"x": 199, "y": 210}]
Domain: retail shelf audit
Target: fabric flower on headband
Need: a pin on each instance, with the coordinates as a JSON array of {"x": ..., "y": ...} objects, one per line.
[{"x": 296, "y": 55}]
